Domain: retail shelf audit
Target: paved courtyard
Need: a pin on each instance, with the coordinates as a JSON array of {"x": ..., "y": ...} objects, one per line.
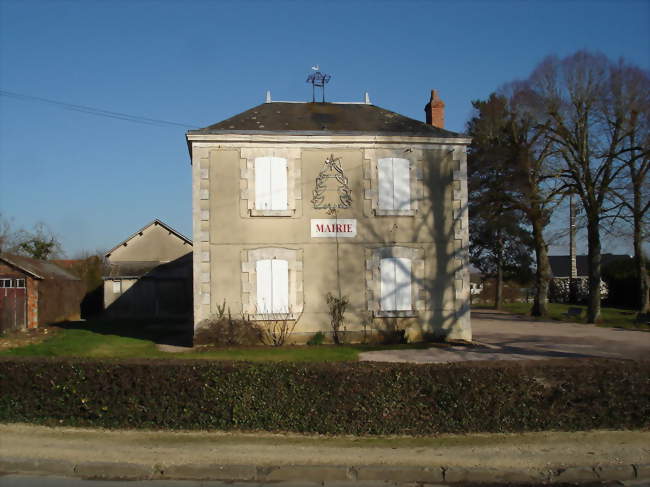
[{"x": 502, "y": 336}]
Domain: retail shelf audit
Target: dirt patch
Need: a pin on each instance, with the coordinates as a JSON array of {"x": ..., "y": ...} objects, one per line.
[{"x": 22, "y": 338}]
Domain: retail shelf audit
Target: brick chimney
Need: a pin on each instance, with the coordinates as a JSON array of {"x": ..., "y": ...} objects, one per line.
[{"x": 435, "y": 111}]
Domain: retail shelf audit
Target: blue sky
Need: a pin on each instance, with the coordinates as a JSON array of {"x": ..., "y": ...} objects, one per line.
[{"x": 95, "y": 180}]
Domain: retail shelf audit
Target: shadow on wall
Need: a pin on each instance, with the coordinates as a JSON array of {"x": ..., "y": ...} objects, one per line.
[{"x": 436, "y": 221}]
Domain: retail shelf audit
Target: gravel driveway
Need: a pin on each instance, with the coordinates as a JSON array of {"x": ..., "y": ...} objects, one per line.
[{"x": 503, "y": 336}]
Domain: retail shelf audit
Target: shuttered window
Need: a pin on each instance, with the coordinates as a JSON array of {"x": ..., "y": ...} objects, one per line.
[
  {"x": 272, "y": 286},
  {"x": 271, "y": 183},
  {"x": 395, "y": 284},
  {"x": 394, "y": 184}
]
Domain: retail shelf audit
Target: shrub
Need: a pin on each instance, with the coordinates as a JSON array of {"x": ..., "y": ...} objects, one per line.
[
  {"x": 328, "y": 398},
  {"x": 317, "y": 339},
  {"x": 223, "y": 330},
  {"x": 276, "y": 329},
  {"x": 337, "y": 306}
]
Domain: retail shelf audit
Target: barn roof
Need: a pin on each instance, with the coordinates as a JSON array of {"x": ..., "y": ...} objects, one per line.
[
  {"x": 323, "y": 118},
  {"x": 40, "y": 269}
]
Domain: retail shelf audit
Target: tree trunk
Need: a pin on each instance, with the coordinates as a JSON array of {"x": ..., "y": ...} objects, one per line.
[
  {"x": 543, "y": 273},
  {"x": 498, "y": 298},
  {"x": 639, "y": 263},
  {"x": 593, "y": 237}
]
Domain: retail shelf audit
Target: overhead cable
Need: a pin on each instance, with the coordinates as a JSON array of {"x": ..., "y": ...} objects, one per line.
[{"x": 95, "y": 111}]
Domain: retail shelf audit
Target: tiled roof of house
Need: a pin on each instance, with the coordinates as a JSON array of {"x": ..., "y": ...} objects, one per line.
[
  {"x": 324, "y": 118},
  {"x": 40, "y": 269},
  {"x": 561, "y": 264}
]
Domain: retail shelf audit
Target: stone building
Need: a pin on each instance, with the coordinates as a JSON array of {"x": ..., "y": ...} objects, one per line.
[
  {"x": 36, "y": 292},
  {"x": 150, "y": 274},
  {"x": 292, "y": 201}
]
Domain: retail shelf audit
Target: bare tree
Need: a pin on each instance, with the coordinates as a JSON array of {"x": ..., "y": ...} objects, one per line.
[
  {"x": 590, "y": 137},
  {"x": 629, "y": 104}
]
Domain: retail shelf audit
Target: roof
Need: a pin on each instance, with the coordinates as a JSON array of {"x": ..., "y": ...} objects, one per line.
[
  {"x": 154, "y": 222},
  {"x": 136, "y": 269},
  {"x": 40, "y": 269},
  {"x": 561, "y": 264},
  {"x": 323, "y": 118}
]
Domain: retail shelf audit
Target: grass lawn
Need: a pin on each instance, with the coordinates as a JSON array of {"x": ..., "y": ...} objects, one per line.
[
  {"x": 105, "y": 339},
  {"x": 610, "y": 317}
]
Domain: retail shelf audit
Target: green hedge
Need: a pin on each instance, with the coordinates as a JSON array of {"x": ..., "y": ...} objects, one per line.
[{"x": 341, "y": 398}]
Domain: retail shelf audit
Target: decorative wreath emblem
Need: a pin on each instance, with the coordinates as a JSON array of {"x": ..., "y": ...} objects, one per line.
[{"x": 332, "y": 170}]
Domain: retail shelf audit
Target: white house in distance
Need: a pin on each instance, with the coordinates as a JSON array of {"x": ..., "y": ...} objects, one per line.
[{"x": 293, "y": 200}]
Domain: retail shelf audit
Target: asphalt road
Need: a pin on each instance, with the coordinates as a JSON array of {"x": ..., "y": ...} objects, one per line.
[{"x": 503, "y": 336}]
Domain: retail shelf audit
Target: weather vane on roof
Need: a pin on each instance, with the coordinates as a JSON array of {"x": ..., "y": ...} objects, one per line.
[{"x": 317, "y": 79}]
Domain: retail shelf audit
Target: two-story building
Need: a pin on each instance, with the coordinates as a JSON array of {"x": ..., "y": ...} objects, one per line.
[{"x": 294, "y": 200}]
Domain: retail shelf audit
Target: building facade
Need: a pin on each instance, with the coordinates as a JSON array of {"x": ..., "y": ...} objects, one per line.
[
  {"x": 150, "y": 274},
  {"x": 36, "y": 292},
  {"x": 292, "y": 201}
]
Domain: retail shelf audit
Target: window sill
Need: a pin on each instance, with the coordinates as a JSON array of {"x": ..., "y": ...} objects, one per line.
[
  {"x": 283, "y": 213},
  {"x": 395, "y": 314},
  {"x": 395, "y": 212}
]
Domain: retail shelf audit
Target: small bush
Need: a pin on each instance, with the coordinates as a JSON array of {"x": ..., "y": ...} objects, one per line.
[
  {"x": 337, "y": 306},
  {"x": 276, "y": 329},
  {"x": 222, "y": 330},
  {"x": 317, "y": 339}
]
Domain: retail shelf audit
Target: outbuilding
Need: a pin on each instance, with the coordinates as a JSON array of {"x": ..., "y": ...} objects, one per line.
[
  {"x": 149, "y": 274},
  {"x": 36, "y": 292}
]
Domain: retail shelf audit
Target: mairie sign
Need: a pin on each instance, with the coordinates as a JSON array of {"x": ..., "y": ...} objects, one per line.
[{"x": 333, "y": 227}]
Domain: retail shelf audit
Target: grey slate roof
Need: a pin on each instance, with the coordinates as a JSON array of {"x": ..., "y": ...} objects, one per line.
[
  {"x": 40, "y": 269},
  {"x": 324, "y": 118},
  {"x": 561, "y": 264}
]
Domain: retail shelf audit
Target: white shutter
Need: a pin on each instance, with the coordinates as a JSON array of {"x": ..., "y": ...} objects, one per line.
[
  {"x": 386, "y": 190},
  {"x": 263, "y": 183},
  {"x": 395, "y": 275},
  {"x": 280, "y": 270},
  {"x": 402, "y": 284},
  {"x": 263, "y": 269},
  {"x": 387, "y": 285},
  {"x": 402, "y": 185},
  {"x": 278, "y": 183}
]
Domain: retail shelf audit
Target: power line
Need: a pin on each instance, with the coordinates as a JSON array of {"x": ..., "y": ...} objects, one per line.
[{"x": 96, "y": 111}]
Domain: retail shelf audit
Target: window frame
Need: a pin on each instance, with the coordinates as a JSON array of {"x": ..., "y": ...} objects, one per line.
[
  {"x": 4, "y": 281},
  {"x": 249, "y": 280},
  {"x": 374, "y": 256},
  {"x": 20, "y": 281},
  {"x": 248, "y": 194},
  {"x": 371, "y": 188}
]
